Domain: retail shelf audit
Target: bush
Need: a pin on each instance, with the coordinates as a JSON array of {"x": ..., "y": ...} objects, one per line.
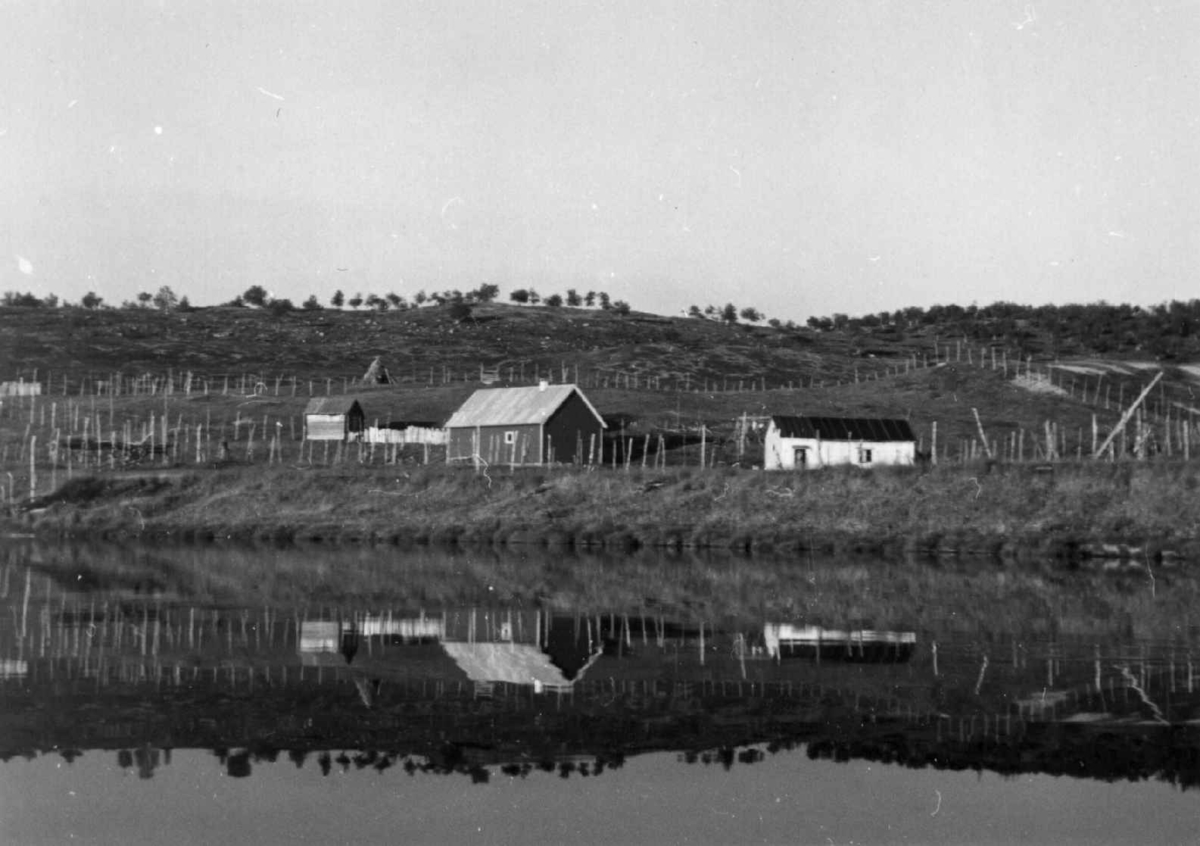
[
  {"x": 486, "y": 293},
  {"x": 12, "y": 298},
  {"x": 255, "y": 295},
  {"x": 165, "y": 299}
]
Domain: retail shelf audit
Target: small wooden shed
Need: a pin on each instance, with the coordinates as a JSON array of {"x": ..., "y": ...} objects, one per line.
[
  {"x": 333, "y": 419},
  {"x": 799, "y": 443},
  {"x": 544, "y": 424}
]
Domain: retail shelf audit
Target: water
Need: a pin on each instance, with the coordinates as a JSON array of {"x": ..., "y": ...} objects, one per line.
[{"x": 210, "y": 694}]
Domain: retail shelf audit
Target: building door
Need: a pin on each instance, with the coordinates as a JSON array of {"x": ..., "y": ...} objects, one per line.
[{"x": 800, "y": 458}]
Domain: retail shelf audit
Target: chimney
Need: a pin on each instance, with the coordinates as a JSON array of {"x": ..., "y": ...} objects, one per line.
[{"x": 542, "y": 385}]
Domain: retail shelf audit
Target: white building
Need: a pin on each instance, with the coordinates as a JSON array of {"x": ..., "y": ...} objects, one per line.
[{"x": 799, "y": 443}]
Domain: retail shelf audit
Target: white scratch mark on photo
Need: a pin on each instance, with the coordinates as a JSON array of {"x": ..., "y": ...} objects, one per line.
[{"x": 269, "y": 93}]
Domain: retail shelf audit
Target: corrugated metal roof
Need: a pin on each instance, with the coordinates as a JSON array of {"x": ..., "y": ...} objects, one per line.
[
  {"x": 514, "y": 406},
  {"x": 330, "y": 405},
  {"x": 514, "y": 663},
  {"x": 844, "y": 428}
]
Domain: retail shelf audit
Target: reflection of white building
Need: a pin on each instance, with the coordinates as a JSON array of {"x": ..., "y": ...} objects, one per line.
[
  {"x": 13, "y": 668},
  {"x": 328, "y": 636},
  {"x": 783, "y": 639},
  {"x": 336, "y": 641}
]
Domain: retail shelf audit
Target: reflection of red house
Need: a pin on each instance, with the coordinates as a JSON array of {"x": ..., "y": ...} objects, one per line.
[
  {"x": 513, "y": 646},
  {"x": 514, "y": 663}
]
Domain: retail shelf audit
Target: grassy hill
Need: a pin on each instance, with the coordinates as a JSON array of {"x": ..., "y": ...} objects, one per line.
[
  {"x": 331, "y": 343},
  {"x": 645, "y": 372},
  {"x": 672, "y": 390}
]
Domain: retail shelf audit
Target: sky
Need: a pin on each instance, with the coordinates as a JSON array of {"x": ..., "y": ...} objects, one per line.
[{"x": 803, "y": 158}]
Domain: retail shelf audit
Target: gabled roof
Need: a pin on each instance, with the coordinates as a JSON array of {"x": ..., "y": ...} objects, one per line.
[
  {"x": 514, "y": 406},
  {"x": 331, "y": 405},
  {"x": 515, "y": 663},
  {"x": 844, "y": 428}
]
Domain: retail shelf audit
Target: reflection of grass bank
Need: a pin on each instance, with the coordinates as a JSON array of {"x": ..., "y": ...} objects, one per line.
[
  {"x": 727, "y": 591},
  {"x": 1008, "y": 511}
]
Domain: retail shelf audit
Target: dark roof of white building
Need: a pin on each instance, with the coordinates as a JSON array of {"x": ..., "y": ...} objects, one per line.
[{"x": 844, "y": 428}]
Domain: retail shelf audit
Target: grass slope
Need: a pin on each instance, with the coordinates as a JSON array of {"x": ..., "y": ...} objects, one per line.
[
  {"x": 1011, "y": 511},
  {"x": 691, "y": 375}
]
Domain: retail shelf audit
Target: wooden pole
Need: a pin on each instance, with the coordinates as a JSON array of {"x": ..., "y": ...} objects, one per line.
[
  {"x": 983, "y": 437},
  {"x": 1126, "y": 416}
]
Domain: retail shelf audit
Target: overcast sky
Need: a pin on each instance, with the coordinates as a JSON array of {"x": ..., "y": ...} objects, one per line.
[{"x": 802, "y": 157}]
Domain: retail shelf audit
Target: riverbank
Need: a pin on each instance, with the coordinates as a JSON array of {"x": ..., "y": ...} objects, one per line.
[{"x": 1144, "y": 511}]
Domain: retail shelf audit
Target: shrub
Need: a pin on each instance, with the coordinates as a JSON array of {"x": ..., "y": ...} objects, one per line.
[
  {"x": 165, "y": 299},
  {"x": 486, "y": 293},
  {"x": 255, "y": 295}
]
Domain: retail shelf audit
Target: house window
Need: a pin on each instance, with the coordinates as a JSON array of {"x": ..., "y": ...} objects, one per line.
[
  {"x": 510, "y": 438},
  {"x": 864, "y": 455}
]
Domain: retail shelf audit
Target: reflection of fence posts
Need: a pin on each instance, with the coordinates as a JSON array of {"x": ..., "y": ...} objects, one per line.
[{"x": 979, "y": 423}]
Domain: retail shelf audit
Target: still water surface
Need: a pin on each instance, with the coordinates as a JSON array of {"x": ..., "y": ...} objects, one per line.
[{"x": 209, "y": 694}]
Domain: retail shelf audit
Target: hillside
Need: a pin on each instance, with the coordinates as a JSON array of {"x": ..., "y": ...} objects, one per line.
[
  {"x": 331, "y": 343},
  {"x": 226, "y": 389},
  {"x": 644, "y": 371}
]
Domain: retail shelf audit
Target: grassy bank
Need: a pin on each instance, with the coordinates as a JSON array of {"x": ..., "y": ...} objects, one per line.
[{"x": 1143, "y": 510}]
